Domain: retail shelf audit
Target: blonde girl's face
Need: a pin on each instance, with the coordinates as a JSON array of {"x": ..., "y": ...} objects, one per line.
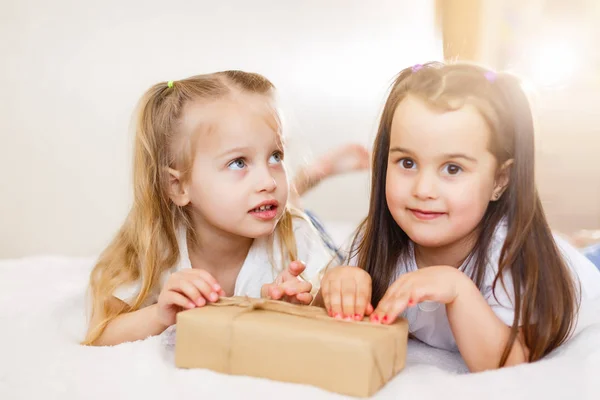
[
  {"x": 238, "y": 181},
  {"x": 441, "y": 175}
]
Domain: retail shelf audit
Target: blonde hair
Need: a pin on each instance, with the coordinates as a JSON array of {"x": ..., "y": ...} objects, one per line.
[{"x": 146, "y": 244}]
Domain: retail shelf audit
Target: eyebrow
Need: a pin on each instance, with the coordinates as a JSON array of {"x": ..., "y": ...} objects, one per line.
[
  {"x": 233, "y": 151},
  {"x": 448, "y": 155}
]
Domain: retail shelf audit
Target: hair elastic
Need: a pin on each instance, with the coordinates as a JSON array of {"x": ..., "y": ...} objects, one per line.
[{"x": 491, "y": 76}]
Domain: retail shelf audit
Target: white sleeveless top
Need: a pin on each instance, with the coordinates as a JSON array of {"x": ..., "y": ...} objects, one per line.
[
  {"x": 256, "y": 270},
  {"x": 428, "y": 321}
]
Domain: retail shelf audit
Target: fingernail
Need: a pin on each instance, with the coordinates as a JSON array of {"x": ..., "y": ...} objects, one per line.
[
  {"x": 357, "y": 317},
  {"x": 217, "y": 287},
  {"x": 214, "y": 296},
  {"x": 385, "y": 319},
  {"x": 200, "y": 301},
  {"x": 375, "y": 318},
  {"x": 410, "y": 302},
  {"x": 191, "y": 305},
  {"x": 338, "y": 316},
  {"x": 347, "y": 318}
]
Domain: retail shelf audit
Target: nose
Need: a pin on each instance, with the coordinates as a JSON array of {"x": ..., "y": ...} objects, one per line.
[
  {"x": 425, "y": 185},
  {"x": 266, "y": 180}
]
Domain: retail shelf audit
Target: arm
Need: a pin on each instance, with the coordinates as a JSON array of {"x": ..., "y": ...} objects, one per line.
[
  {"x": 185, "y": 289},
  {"x": 128, "y": 327},
  {"x": 480, "y": 335}
]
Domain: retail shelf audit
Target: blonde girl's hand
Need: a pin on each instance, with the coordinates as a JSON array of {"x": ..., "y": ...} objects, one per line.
[
  {"x": 288, "y": 286},
  {"x": 186, "y": 289},
  {"x": 346, "y": 292},
  {"x": 439, "y": 284}
]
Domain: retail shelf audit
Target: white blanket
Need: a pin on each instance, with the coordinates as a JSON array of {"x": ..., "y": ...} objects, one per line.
[{"x": 42, "y": 319}]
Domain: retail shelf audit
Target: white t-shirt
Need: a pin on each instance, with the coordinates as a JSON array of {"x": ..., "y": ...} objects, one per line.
[
  {"x": 257, "y": 269},
  {"x": 428, "y": 321}
]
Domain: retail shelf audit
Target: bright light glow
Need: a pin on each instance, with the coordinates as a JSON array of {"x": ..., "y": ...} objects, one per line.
[{"x": 554, "y": 63}]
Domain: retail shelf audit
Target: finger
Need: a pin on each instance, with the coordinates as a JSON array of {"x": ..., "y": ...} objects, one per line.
[
  {"x": 396, "y": 307},
  {"x": 207, "y": 291},
  {"x": 417, "y": 296},
  {"x": 206, "y": 276},
  {"x": 348, "y": 297},
  {"x": 296, "y": 286},
  {"x": 393, "y": 291},
  {"x": 275, "y": 292},
  {"x": 335, "y": 298},
  {"x": 177, "y": 299},
  {"x": 304, "y": 298},
  {"x": 296, "y": 268},
  {"x": 399, "y": 286},
  {"x": 363, "y": 298},
  {"x": 265, "y": 290},
  {"x": 381, "y": 308},
  {"x": 387, "y": 311},
  {"x": 369, "y": 309},
  {"x": 325, "y": 296},
  {"x": 188, "y": 290}
]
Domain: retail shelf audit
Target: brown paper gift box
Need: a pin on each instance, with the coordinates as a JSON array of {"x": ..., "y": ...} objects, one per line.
[{"x": 290, "y": 343}]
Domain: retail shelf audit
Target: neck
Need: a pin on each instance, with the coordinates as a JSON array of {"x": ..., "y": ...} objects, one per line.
[
  {"x": 216, "y": 250},
  {"x": 453, "y": 254}
]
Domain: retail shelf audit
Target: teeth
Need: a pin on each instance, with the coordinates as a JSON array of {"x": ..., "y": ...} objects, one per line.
[{"x": 264, "y": 208}]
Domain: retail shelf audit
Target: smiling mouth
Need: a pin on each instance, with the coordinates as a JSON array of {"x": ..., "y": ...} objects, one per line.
[{"x": 425, "y": 215}]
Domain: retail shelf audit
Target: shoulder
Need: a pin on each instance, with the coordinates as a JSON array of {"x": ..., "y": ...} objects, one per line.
[
  {"x": 311, "y": 245},
  {"x": 582, "y": 269},
  {"x": 129, "y": 291}
]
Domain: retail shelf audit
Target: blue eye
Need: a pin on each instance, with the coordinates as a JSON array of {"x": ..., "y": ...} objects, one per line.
[
  {"x": 237, "y": 164},
  {"x": 407, "y": 163},
  {"x": 276, "y": 158},
  {"x": 452, "y": 169}
]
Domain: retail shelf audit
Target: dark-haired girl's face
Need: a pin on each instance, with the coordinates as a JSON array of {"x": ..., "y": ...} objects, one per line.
[{"x": 441, "y": 174}]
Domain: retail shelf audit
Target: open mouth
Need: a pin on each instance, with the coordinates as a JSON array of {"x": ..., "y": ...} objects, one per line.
[
  {"x": 265, "y": 211},
  {"x": 268, "y": 207}
]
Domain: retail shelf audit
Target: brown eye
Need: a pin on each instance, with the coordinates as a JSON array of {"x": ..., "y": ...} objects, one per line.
[
  {"x": 407, "y": 163},
  {"x": 453, "y": 169}
]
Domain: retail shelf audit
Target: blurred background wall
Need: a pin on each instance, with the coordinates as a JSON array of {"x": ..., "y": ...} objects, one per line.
[{"x": 72, "y": 72}]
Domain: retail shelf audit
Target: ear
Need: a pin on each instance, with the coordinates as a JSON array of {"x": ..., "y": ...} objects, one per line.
[
  {"x": 502, "y": 180},
  {"x": 178, "y": 191}
]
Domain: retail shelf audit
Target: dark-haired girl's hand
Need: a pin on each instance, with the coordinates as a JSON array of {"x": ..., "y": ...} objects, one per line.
[
  {"x": 440, "y": 284},
  {"x": 346, "y": 292}
]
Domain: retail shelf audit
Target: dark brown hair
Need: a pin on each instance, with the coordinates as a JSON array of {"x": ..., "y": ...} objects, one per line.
[{"x": 545, "y": 293}]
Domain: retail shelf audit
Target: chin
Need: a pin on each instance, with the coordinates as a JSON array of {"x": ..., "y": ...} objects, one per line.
[
  {"x": 429, "y": 239},
  {"x": 263, "y": 231}
]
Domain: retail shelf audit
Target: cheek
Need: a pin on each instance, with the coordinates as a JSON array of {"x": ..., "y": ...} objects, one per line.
[
  {"x": 210, "y": 188},
  {"x": 469, "y": 199},
  {"x": 281, "y": 178},
  {"x": 281, "y": 175},
  {"x": 396, "y": 190}
]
